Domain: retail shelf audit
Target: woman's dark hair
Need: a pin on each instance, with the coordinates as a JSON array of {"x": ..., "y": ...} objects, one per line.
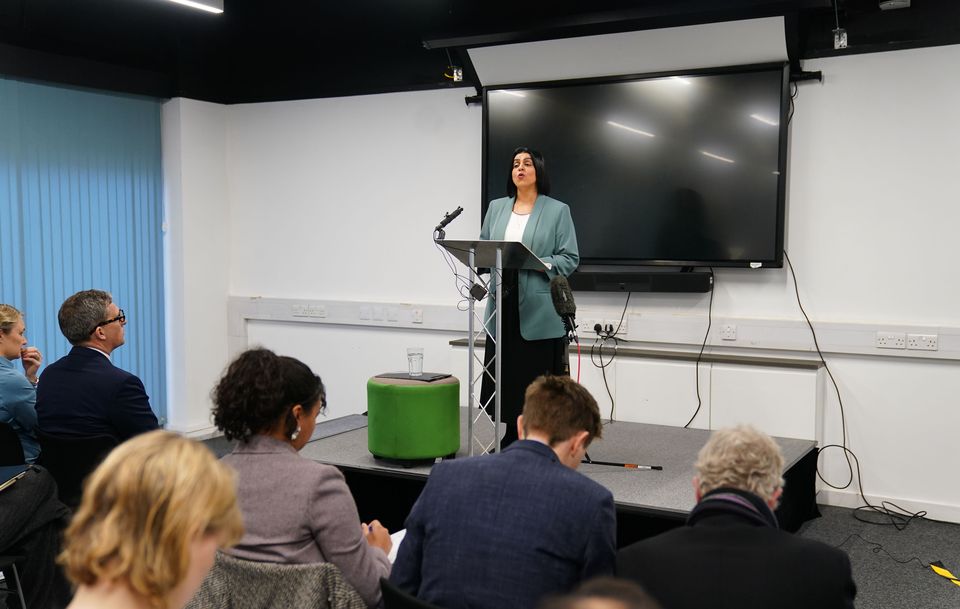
[
  {"x": 259, "y": 389},
  {"x": 543, "y": 180}
]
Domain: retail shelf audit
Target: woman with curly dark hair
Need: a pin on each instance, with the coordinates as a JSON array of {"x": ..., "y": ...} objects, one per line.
[{"x": 295, "y": 510}]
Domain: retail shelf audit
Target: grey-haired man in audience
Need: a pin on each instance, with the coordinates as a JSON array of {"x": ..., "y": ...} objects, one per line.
[{"x": 731, "y": 553}]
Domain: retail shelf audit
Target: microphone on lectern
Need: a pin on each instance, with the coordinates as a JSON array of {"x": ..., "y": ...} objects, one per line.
[{"x": 447, "y": 219}]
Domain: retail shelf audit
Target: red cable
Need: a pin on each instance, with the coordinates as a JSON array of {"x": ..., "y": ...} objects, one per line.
[{"x": 578, "y": 361}]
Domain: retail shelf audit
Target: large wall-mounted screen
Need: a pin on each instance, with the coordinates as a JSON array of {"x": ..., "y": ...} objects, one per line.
[{"x": 680, "y": 169}]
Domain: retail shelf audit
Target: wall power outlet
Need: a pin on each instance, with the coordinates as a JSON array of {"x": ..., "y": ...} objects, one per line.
[
  {"x": 891, "y": 340},
  {"x": 923, "y": 342}
]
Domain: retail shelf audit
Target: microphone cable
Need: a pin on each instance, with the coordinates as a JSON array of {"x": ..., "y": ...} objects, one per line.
[
  {"x": 599, "y": 343},
  {"x": 578, "y": 360},
  {"x": 890, "y": 513},
  {"x": 461, "y": 282},
  {"x": 703, "y": 346}
]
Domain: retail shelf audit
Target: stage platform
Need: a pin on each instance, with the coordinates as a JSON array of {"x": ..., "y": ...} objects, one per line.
[{"x": 648, "y": 501}]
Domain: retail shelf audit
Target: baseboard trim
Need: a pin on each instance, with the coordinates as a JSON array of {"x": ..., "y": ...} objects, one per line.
[{"x": 850, "y": 499}]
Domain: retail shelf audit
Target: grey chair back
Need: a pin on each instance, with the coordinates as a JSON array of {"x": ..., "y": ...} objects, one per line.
[{"x": 234, "y": 583}]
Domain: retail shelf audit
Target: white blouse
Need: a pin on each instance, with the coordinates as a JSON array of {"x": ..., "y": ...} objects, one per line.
[{"x": 515, "y": 227}]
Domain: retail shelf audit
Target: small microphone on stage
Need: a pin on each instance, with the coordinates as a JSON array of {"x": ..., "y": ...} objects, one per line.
[
  {"x": 447, "y": 219},
  {"x": 563, "y": 303}
]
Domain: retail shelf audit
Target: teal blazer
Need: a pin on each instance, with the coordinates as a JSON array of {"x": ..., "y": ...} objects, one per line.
[{"x": 551, "y": 236}]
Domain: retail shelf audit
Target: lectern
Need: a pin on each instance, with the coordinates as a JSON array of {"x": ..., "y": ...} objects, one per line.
[{"x": 496, "y": 256}]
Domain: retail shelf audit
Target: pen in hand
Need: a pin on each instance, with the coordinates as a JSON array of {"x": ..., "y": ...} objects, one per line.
[{"x": 377, "y": 535}]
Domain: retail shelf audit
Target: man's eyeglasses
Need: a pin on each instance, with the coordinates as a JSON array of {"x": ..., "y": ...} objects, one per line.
[{"x": 122, "y": 318}]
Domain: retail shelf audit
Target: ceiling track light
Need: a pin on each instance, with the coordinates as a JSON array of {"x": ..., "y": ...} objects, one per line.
[{"x": 210, "y": 6}]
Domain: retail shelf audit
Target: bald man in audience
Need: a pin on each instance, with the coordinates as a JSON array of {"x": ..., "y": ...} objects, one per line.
[
  {"x": 731, "y": 554},
  {"x": 503, "y": 531}
]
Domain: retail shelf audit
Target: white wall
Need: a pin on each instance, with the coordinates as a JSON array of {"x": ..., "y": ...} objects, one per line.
[
  {"x": 335, "y": 200},
  {"x": 873, "y": 211},
  {"x": 196, "y": 220},
  {"x": 873, "y": 190}
]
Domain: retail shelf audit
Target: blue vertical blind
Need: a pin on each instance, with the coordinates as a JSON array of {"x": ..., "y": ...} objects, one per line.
[{"x": 81, "y": 207}]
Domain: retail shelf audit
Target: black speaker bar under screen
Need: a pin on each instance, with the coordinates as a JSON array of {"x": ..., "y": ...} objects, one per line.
[{"x": 642, "y": 281}]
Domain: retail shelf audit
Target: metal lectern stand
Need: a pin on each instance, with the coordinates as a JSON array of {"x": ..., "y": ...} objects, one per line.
[{"x": 496, "y": 256}]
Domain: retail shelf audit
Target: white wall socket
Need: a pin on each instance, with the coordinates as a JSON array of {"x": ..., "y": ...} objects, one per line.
[
  {"x": 585, "y": 326},
  {"x": 728, "y": 332},
  {"x": 891, "y": 340},
  {"x": 922, "y": 342},
  {"x": 615, "y": 324}
]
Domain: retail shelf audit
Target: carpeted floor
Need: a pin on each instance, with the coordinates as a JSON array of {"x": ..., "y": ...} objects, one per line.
[{"x": 882, "y": 582}]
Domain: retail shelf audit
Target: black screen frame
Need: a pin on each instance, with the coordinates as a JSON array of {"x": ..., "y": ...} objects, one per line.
[{"x": 622, "y": 263}]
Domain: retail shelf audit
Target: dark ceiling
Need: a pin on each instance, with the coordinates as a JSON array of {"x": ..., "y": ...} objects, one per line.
[{"x": 267, "y": 50}]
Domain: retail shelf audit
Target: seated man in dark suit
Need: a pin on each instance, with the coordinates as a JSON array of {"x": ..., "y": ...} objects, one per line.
[
  {"x": 731, "y": 552},
  {"x": 83, "y": 394},
  {"x": 505, "y": 530}
]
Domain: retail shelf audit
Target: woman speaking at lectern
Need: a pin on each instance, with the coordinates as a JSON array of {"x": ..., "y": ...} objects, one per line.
[{"x": 532, "y": 343}]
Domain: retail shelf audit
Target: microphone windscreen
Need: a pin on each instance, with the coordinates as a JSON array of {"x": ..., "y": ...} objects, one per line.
[{"x": 562, "y": 296}]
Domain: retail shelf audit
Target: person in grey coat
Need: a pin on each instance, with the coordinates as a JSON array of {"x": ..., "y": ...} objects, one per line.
[{"x": 295, "y": 510}]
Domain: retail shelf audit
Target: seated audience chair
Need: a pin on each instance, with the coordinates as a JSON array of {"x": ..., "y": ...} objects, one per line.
[
  {"x": 8, "y": 564},
  {"x": 395, "y": 598},
  {"x": 234, "y": 583},
  {"x": 31, "y": 523},
  {"x": 11, "y": 450},
  {"x": 70, "y": 461}
]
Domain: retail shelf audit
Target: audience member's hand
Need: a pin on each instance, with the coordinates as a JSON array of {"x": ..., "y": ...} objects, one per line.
[
  {"x": 31, "y": 358},
  {"x": 377, "y": 535}
]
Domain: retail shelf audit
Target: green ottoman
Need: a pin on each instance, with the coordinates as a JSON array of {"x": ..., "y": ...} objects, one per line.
[{"x": 410, "y": 419}]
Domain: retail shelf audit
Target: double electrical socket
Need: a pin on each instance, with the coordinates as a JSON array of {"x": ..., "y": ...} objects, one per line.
[
  {"x": 923, "y": 342},
  {"x": 586, "y": 326},
  {"x": 900, "y": 340},
  {"x": 378, "y": 313}
]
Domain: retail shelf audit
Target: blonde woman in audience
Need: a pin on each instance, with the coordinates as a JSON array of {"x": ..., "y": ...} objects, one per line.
[
  {"x": 603, "y": 593},
  {"x": 18, "y": 391},
  {"x": 152, "y": 517},
  {"x": 295, "y": 510}
]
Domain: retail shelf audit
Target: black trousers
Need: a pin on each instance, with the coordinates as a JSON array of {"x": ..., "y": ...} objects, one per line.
[
  {"x": 31, "y": 522},
  {"x": 523, "y": 361}
]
